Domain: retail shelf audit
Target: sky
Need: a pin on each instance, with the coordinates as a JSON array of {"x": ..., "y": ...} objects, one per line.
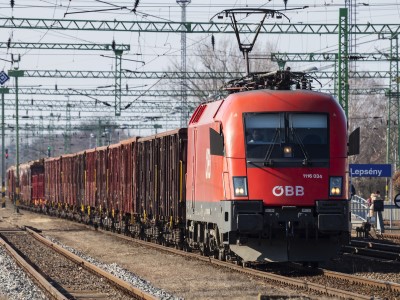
[{"x": 156, "y": 52}]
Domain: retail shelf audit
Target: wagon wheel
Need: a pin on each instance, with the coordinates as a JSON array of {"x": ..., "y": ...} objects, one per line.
[
  {"x": 204, "y": 249},
  {"x": 222, "y": 254},
  {"x": 186, "y": 247}
]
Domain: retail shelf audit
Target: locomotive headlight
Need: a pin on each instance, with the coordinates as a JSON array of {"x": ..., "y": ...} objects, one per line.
[
  {"x": 287, "y": 151},
  {"x": 240, "y": 186},
  {"x": 335, "y": 186}
]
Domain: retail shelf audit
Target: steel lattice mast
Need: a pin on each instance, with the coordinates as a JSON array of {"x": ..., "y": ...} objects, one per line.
[{"x": 184, "y": 110}]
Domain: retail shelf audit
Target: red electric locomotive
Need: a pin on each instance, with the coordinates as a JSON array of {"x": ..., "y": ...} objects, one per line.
[{"x": 266, "y": 176}]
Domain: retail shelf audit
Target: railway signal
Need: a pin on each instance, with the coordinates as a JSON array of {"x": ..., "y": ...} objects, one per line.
[{"x": 397, "y": 200}]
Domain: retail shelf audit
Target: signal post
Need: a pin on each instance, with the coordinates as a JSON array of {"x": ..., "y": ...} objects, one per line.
[
  {"x": 3, "y": 91},
  {"x": 16, "y": 73}
]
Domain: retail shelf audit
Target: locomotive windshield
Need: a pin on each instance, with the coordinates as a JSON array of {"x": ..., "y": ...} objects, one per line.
[{"x": 287, "y": 138}]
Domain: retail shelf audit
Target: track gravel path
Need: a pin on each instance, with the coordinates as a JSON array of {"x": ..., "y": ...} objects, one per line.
[{"x": 181, "y": 277}]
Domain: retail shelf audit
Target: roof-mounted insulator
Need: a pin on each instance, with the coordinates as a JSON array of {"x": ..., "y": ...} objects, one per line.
[
  {"x": 275, "y": 80},
  {"x": 135, "y": 6}
]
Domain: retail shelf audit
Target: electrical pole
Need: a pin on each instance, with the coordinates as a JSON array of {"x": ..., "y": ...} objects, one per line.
[
  {"x": 343, "y": 64},
  {"x": 3, "y": 91},
  {"x": 393, "y": 131},
  {"x": 16, "y": 73},
  {"x": 67, "y": 135},
  {"x": 118, "y": 66},
  {"x": 184, "y": 109}
]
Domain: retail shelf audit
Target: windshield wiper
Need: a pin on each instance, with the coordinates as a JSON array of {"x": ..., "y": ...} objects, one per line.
[
  {"x": 303, "y": 149},
  {"x": 267, "y": 158}
]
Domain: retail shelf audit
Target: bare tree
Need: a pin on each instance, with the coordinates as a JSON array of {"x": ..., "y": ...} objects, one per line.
[
  {"x": 369, "y": 113},
  {"x": 224, "y": 56}
]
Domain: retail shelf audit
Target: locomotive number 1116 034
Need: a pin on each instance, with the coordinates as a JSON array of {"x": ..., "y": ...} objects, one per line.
[{"x": 312, "y": 176}]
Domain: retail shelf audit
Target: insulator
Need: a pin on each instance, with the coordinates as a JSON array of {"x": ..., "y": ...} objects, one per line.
[
  {"x": 8, "y": 43},
  {"x": 113, "y": 45},
  {"x": 213, "y": 42},
  {"x": 12, "y": 3},
  {"x": 136, "y": 5},
  {"x": 285, "y": 2},
  {"x": 304, "y": 84}
]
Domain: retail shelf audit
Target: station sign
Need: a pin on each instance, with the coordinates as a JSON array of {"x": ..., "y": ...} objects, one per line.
[
  {"x": 3, "y": 77},
  {"x": 370, "y": 170}
]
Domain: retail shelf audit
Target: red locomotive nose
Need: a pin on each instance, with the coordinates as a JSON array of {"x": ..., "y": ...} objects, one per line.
[{"x": 274, "y": 185}]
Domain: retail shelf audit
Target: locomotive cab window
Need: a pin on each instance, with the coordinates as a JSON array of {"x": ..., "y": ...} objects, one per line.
[{"x": 287, "y": 138}]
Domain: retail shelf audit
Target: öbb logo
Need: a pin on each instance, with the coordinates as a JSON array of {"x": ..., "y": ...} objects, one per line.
[{"x": 288, "y": 190}]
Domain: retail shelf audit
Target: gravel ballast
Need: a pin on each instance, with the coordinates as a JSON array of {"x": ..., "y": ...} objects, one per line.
[{"x": 15, "y": 283}]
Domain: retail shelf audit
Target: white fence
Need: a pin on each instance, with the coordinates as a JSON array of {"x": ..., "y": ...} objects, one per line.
[{"x": 360, "y": 209}]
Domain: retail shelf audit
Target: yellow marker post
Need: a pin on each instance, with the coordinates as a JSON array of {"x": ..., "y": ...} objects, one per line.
[
  {"x": 180, "y": 180},
  {"x": 3, "y": 196}
]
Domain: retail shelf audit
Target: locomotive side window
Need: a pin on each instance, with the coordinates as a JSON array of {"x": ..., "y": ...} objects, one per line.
[{"x": 287, "y": 138}]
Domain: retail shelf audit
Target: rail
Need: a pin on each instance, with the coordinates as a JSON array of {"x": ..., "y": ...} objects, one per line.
[
  {"x": 121, "y": 284},
  {"x": 35, "y": 275}
]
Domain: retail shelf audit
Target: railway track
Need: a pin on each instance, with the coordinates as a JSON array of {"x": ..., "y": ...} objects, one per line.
[
  {"x": 62, "y": 274},
  {"x": 308, "y": 281},
  {"x": 375, "y": 249},
  {"x": 390, "y": 236},
  {"x": 316, "y": 281}
]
